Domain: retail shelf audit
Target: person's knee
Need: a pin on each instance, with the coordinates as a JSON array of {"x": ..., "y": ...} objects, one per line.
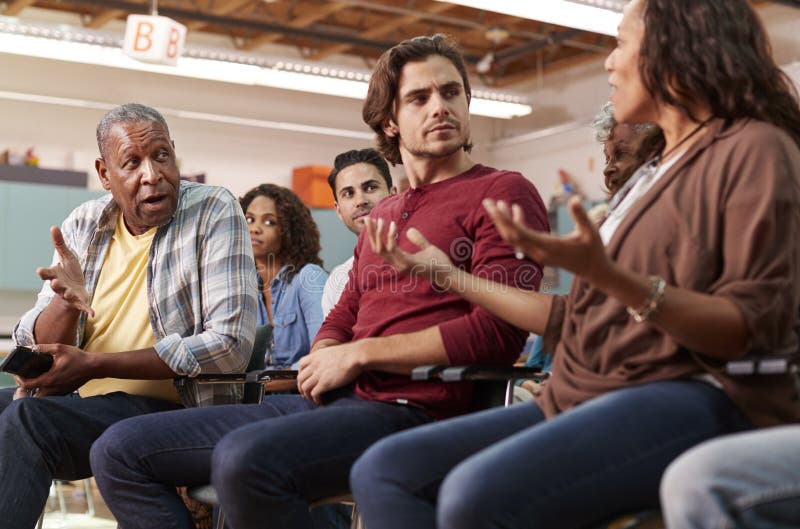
[
  {"x": 688, "y": 481},
  {"x": 370, "y": 470},
  {"x": 27, "y": 416},
  {"x": 362, "y": 473},
  {"x": 6, "y": 397},
  {"x": 233, "y": 461},
  {"x": 113, "y": 450},
  {"x": 464, "y": 500}
]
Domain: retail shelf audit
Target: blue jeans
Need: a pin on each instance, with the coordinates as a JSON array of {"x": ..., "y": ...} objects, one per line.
[
  {"x": 749, "y": 480},
  {"x": 508, "y": 467},
  {"x": 50, "y": 437},
  {"x": 267, "y": 461}
]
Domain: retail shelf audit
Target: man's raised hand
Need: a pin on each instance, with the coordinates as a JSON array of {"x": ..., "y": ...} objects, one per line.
[
  {"x": 66, "y": 276},
  {"x": 429, "y": 263}
]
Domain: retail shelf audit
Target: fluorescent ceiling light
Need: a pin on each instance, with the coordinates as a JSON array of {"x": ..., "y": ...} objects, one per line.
[
  {"x": 103, "y": 49},
  {"x": 189, "y": 114},
  {"x": 560, "y": 12}
]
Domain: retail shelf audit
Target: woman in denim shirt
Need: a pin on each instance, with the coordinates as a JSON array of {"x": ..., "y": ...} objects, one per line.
[{"x": 286, "y": 248}]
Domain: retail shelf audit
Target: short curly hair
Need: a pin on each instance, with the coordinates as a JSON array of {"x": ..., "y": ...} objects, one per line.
[
  {"x": 385, "y": 80},
  {"x": 298, "y": 231}
]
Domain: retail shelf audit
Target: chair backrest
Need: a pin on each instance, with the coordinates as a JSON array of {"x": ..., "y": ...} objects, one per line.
[
  {"x": 488, "y": 394},
  {"x": 261, "y": 346},
  {"x": 252, "y": 391}
]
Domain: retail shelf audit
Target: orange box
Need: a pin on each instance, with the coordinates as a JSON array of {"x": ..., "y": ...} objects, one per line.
[{"x": 311, "y": 185}]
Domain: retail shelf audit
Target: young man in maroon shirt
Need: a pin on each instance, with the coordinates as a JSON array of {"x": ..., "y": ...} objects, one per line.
[{"x": 269, "y": 461}]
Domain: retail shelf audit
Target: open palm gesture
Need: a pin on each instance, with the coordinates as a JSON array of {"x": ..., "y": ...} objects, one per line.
[
  {"x": 581, "y": 252},
  {"x": 429, "y": 263},
  {"x": 66, "y": 276}
]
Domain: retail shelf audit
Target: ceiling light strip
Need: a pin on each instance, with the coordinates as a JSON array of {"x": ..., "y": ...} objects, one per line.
[
  {"x": 192, "y": 115},
  {"x": 101, "y": 49}
]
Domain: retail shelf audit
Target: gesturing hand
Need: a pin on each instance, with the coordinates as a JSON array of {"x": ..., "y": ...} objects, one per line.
[
  {"x": 581, "y": 252},
  {"x": 429, "y": 263},
  {"x": 66, "y": 276}
]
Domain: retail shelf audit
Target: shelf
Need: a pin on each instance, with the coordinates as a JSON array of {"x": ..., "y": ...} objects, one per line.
[{"x": 36, "y": 175}]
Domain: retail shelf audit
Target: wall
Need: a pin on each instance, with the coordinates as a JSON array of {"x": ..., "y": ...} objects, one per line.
[{"x": 540, "y": 157}]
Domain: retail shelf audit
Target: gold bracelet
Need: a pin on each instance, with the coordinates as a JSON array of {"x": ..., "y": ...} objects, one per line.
[{"x": 653, "y": 301}]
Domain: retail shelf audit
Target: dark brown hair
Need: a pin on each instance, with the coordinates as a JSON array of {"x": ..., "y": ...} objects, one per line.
[
  {"x": 368, "y": 156},
  {"x": 715, "y": 51},
  {"x": 383, "y": 84},
  {"x": 299, "y": 233}
]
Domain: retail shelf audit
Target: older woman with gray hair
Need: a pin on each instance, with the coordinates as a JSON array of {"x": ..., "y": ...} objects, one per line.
[{"x": 626, "y": 147}]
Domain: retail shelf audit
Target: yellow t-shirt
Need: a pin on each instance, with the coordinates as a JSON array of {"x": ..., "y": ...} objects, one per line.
[{"x": 122, "y": 320}]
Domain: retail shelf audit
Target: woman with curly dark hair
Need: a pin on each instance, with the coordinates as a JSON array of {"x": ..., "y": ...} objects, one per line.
[
  {"x": 286, "y": 248},
  {"x": 697, "y": 263}
]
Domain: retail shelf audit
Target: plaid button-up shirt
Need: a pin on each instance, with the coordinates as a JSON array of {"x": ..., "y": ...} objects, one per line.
[{"x": 201, "y": 285}]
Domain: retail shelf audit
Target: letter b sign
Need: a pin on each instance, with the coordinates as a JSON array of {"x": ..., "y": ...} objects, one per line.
[{"x": 154, "y": 39}]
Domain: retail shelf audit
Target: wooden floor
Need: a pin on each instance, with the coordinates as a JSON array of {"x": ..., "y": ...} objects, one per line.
[{"x": 67, "y": 508}]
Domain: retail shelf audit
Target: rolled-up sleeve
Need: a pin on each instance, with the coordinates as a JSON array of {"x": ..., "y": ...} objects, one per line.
[
  {"x": 761, "y": 265},
  {"x": 23, "y": 330}
]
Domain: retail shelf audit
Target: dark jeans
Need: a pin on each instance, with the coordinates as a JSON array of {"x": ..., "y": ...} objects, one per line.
[
  {"x": 50, "y": 437},
  {"x": 267, "y": 461},
  {"x": 508, "y": 467}
]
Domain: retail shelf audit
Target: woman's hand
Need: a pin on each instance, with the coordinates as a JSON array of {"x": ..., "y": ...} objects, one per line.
[
  {"x": 429, "y": 263},
  {"x": 581, "y": 252}
]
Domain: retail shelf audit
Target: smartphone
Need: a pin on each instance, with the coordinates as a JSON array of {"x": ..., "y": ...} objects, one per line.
[{"x": 26, "y": 362}]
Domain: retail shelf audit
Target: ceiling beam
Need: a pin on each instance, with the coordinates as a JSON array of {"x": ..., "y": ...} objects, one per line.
[
  {"x": 383, "y": 29},
  {"x": 302, "y": 21},
  {"x": 16, "y": 6},
  {"x": 556, "y": 37},
  {"x": 551, "y": 68},
  {"x": 241, "y": 23},
  {"x": 224, "y": 7},
  {"x": 104, "y": 17}
]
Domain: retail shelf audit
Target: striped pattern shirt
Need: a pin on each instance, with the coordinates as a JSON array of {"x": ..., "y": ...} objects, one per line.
[{"x": 201, "y": 285}]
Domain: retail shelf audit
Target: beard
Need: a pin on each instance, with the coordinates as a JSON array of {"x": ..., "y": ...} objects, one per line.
[{"x": 423, "y": 149}]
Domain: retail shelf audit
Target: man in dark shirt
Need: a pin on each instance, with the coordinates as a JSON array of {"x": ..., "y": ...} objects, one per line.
[{"x": 269, "y": 461}]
